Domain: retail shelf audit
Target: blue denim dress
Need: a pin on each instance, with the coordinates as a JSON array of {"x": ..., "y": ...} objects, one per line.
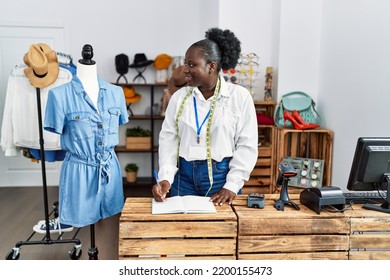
[{"x": 90, "y": 186}]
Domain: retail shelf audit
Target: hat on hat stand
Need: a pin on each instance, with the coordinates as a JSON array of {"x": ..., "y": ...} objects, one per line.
[
  {"x": 140, "y": 63},
  {"x": 131, "y": 97},
  {"x": 43, "y": 67},
  {"x": 122, "y": 66}
]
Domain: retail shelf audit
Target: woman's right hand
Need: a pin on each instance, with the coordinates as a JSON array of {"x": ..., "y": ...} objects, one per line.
[{"x": 160, "y": 194}]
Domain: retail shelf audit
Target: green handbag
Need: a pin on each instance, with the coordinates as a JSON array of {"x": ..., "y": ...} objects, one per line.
[{"x": 300, "y": 102}]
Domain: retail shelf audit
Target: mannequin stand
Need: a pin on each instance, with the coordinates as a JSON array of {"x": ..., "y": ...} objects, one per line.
[{"x": 87, "y": 54}]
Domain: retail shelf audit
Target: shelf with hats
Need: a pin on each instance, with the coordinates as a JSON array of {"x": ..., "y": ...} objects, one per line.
[
  {"x": 148, "y": 122},
  {"x": 146, "y": 94}
]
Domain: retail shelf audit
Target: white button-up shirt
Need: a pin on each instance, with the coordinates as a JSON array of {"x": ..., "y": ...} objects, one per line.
[
  {"x": 233, "y": 133},
  {"x": 20, "y": 118}
]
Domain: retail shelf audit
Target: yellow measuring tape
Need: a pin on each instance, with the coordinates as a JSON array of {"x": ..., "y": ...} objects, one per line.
[{"x": 208, "y": 138}]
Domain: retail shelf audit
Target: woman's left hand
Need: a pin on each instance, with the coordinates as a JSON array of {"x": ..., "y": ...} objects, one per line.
[{"x": 223, "y": 196}]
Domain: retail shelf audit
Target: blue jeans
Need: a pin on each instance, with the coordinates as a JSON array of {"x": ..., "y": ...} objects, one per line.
[{"x": 192, "y": 178}]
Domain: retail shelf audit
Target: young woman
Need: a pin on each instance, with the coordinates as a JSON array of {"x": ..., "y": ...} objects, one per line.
[{"x": 208, "y": 141}]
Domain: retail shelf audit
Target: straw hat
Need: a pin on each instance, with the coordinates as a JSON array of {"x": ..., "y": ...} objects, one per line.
[
  {"x": 43, "y": 67},
  {"x": 130, "y": 95}
]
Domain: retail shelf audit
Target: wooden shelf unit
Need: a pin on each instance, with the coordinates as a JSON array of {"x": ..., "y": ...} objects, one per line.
[
  {"x": 261, "y": 178},
  {"x": 143, "y": 89}
]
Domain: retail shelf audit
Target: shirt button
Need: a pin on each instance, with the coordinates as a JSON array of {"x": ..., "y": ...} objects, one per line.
[
  {"x": 100, "y": 125},
  {"x": 99, "y": 143},
  {"x": 77, "y": 117}
]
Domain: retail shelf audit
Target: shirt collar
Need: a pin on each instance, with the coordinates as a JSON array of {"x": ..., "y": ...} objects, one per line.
[
  {"x": 78, "y": 86},
  {"x": 223, "y": 89}
]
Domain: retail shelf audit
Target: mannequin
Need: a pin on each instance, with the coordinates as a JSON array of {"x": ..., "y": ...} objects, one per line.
[
  {"x": 90, "y": 186},
  {"x": 87, "y": 73}
]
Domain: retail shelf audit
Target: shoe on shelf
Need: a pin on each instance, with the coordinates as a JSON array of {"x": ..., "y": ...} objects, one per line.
[
  {"x": 296, "y": 124},
  {"x": 54, "y": 226}
]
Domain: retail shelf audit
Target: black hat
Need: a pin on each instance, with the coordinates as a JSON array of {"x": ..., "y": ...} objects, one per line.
[
  {"x": 122, "y": 63},
  {"x": 140, "y": 60}
]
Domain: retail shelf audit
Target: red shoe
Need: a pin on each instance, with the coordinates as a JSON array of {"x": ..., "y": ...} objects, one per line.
[
  {"x": 289, "y": 117},
  {"x": 300, "y": 120}
]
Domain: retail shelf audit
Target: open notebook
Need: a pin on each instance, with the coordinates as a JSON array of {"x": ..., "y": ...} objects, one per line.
[{"x": 184, "y": 204}]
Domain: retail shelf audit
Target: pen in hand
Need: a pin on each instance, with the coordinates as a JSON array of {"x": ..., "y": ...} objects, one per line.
[{"x": 158, "y": 183}]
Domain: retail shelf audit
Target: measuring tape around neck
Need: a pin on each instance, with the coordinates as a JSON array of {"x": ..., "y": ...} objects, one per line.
[{"x": 208, "y": 138}]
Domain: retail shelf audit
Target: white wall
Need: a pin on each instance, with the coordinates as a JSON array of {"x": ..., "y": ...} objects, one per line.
[
  {"x": 256, "y": 24},
  {"x": 354, "y": 83},
  {"x": 300, "y": 22}
]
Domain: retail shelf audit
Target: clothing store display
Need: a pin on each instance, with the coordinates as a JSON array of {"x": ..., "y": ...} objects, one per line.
[
  {"x": 228, "y": 119},
  {"x": 140, "y": 60},
  {"x": 130, "y": 95},
  {"x": 42, "y": 64},
  {"x": 19, "y": 126},
  {"x": 89, "y": 135},
  {"x": 50, "y": 156},
  {"x": 162, "y": 61},
  {"x": 54, "y": 226},
  {"x": 122, "y": 66}
]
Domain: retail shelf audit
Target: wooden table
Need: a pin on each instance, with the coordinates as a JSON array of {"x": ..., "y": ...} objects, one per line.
[
  {"x": 239, "y": 232},
  {"x": 175, "y": 236},
  {"x": 291, "y": 234}
]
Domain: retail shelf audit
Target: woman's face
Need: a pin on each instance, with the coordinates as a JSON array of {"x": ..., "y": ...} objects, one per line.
[{"x": 196, "y": 70}]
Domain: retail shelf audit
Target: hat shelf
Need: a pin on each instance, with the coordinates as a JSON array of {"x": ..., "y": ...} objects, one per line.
[{"x": 150, "y": 92}]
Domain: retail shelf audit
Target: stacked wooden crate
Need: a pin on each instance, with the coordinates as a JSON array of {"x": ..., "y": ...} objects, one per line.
[
  {"x": 261, "y": 178},
  {"x": 269, "y": 234},
  {"x": 313, "y": 144},
  {"x": 175, "y": 236},
  {"x": 370, "y": 235}
]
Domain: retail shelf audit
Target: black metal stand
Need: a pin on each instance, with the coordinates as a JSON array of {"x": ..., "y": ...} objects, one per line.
[
  {"x": 87, "y": 54},
  {"x": 120, "y": 76},
  {"x": 75, "y": 253},
  {"x": 93, "y": 251},
  {"x": 140, "y": 75}
]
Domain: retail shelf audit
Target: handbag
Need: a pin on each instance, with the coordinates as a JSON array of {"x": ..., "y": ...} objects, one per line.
[{"x": 300, "y": 102}]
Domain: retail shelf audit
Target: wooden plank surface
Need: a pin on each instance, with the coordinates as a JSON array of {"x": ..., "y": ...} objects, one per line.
[
  {"x": 292, "y": 226},
  {"x": 369, "y": 255},
  {"x": 370, "y": 241},
  {"x": 178, "y": 257},
  {"x": 292, "y": 243},
  {"x": 379, "y": 224},
  {"x": 214, "y": 247},
  {"x": 340, "y": 255},
  {"x": 186, "y": 229}
]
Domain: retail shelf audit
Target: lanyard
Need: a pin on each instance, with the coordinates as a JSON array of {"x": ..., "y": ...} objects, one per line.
[
  {"x": 199, "y": 128},
  {"x": 208, "y": 140}
]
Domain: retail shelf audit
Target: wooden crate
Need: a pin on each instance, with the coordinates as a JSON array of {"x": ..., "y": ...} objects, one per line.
[
  {"x": 261, "y": 177},
  {"x": 314, "y": 144},
  {"x": 175, "y": 236},
  {"x": 138, "y": 143},
  {"x": 270, "y": 234},
  {"x": 370, "y": 235}
]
